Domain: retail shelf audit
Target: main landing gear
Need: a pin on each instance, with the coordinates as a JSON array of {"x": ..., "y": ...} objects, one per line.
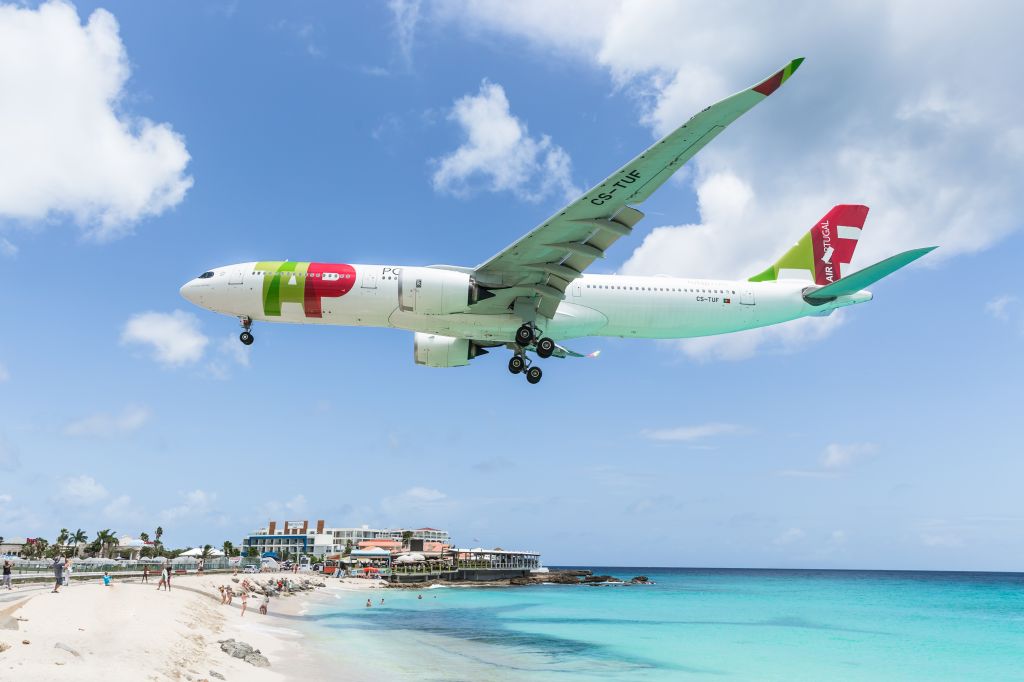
[
  {"x": 246, "y": 336},
  {"x": 526, "y": 336}
]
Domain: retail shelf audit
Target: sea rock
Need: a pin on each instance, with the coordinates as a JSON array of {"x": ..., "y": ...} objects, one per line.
[
  {"x": 257, "y": 659},
  {"x": 65, "y": 647},
  {"x": 4, "y": 646},
  {"x": 641, "y": 580},
  {"x": 601, "y": 579},
  {"x": 244, "y": 651}
]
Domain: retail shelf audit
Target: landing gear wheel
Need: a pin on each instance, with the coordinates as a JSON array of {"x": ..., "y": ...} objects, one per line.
[
  {"x": 524, "y": 335},
  {"x": 246, "y": 338},
  {"x": 545, "y": 347},
  {"x": 516, "y": 364},
  {"x": 534, "y": 374}
]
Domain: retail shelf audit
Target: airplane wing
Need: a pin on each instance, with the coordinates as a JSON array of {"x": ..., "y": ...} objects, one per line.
[{"x": 540, "y": 266}]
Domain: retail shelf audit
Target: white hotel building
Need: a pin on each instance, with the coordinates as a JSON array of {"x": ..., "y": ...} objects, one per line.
[{"x": 299, "y": 537}]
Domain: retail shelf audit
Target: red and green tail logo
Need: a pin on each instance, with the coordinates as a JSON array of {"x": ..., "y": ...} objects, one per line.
[{"x": 823, "y": 252}]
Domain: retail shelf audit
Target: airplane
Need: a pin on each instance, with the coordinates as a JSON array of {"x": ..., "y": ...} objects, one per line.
[{"x": 535, "y": 294}]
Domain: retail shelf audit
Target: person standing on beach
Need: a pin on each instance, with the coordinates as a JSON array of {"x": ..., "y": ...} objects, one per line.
[
  {"x": 169, "y": 571},
  {"x": 145, "y": 574},
  {"x": 7, "y": 573},
  {"x": 163, "y": 578},
  {"x": 67, "y": 571},
  {"x": 58, "y": 573},
  {"x": 265, "y": 604},
  {"x": 245, "y": 600}
]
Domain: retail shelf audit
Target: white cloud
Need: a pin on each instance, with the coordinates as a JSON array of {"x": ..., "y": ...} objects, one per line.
[
  {"x": 997, "y": 307},
  {"x": 7, "y": 248},
  {"x": 406, "y": 15},
  {"x": 839, "y": 456},
  {"x": 295, "y": 507},
  {"x": 304, "y": 32},
  {"x": 899, "y": 114},
  {"x": 104, "y": 424},
  {"x": 789, "y": 536},
  {"x": 195, "y": 503},
  {"x": 174, "y": 338},
  {"x": 690, "y": 433},
  {"x": 6, "y": 499},
  {"x": 237, "y": 351},
  {"x": 4, "y": 374},
  {"x": 416, "y": 502},
  {"x": 121, "y": 510},
  {"x": 69, "y": 146},
  {"x": 499, "y": 154},
  {"x": 82, "y": 490},
  {"x": 836, "y": 459}
]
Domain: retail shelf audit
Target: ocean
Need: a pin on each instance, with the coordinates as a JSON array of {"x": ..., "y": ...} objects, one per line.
[{"x": 715, "y": 624}]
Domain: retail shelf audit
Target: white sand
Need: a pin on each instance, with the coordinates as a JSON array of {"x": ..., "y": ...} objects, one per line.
[{"x": 131, "y": 631}]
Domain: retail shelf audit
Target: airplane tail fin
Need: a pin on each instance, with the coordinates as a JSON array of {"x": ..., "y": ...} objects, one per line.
[{"x": 824, "y": 251}]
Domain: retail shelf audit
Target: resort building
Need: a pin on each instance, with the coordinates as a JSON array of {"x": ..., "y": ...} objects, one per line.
[{"x": 300, "y": 537}]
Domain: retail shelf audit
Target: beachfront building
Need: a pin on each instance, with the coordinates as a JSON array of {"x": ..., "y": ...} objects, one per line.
[
  {"x": 476, "y": 565},
  {"x": 300, "y": 537},
  {"x": 12, "y": 546}
]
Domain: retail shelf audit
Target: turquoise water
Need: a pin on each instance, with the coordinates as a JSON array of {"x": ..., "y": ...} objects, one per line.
[{"x": 693, "y": 624}]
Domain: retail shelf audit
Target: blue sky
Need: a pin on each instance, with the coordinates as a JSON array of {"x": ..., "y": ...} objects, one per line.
[{"x": 885, "y": 437}]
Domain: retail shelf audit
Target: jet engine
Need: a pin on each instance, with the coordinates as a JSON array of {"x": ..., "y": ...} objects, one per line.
[
  {"x": 434, "y": 350},
  {"x": 434, "y": 291}
]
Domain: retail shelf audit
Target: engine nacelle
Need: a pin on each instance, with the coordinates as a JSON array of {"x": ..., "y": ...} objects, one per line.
[
  {"x": 432, "y": 291},
  {"x": 434, "y": 350}
]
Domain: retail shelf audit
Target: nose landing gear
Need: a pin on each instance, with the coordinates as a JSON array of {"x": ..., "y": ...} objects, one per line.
[{"x": 246, "y": 336}]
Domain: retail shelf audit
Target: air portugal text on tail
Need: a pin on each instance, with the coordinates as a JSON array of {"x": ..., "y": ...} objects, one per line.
[{"x": 536, "y": 294}]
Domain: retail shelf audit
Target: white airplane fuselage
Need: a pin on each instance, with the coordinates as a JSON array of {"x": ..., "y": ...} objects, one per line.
[{"x": 658, "y": 307}]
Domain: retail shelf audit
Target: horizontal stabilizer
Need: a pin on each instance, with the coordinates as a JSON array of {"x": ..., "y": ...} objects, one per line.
[
  {"x": 563, "y": 352},
  {"x": 862, "y": 279}
]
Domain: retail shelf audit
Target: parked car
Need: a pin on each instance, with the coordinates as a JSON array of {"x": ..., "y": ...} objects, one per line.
[{"x": 251, "y": 569}]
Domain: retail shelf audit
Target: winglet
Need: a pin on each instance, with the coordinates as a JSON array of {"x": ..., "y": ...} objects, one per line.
[
  {"x": 594, "y": 354},
  {"x": 772, "y": 83}
]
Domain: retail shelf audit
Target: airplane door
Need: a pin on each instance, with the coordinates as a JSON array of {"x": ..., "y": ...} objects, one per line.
[
  {"x": 576, "y": 290},
  {"x": 235, "y": 277},
  {"x": 369, "y": 282},
  {"x": 747, "y": 297}
]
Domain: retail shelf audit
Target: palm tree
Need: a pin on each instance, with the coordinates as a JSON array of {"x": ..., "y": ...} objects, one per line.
[
  {"x": 107, "y": 540},
  {"x": 229, "y": 549},
  {"x": 80, "y": 537},
  {"x": 62, "y": 538},
  {"x": 144, "y": 536},
  {"x": 158, "y": 534}
]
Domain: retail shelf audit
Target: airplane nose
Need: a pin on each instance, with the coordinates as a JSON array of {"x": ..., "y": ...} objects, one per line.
[{"x": 189, "y": 293}]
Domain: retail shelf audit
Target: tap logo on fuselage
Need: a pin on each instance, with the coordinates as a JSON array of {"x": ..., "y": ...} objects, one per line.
[{"x": 304, "y": 283}]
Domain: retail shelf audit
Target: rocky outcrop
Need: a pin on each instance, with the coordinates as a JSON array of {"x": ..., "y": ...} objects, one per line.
[{"x": 243, "y": 651}]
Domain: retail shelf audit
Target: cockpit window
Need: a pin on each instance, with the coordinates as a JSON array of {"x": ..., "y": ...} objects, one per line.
[{"x": 206, "y": 275}]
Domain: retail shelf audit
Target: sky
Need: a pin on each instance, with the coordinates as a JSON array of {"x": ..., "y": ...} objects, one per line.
[{"x": 144, "y": 143}]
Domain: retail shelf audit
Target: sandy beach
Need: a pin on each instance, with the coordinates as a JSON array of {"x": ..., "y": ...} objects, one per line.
[{"x": 131, "y": 631}]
